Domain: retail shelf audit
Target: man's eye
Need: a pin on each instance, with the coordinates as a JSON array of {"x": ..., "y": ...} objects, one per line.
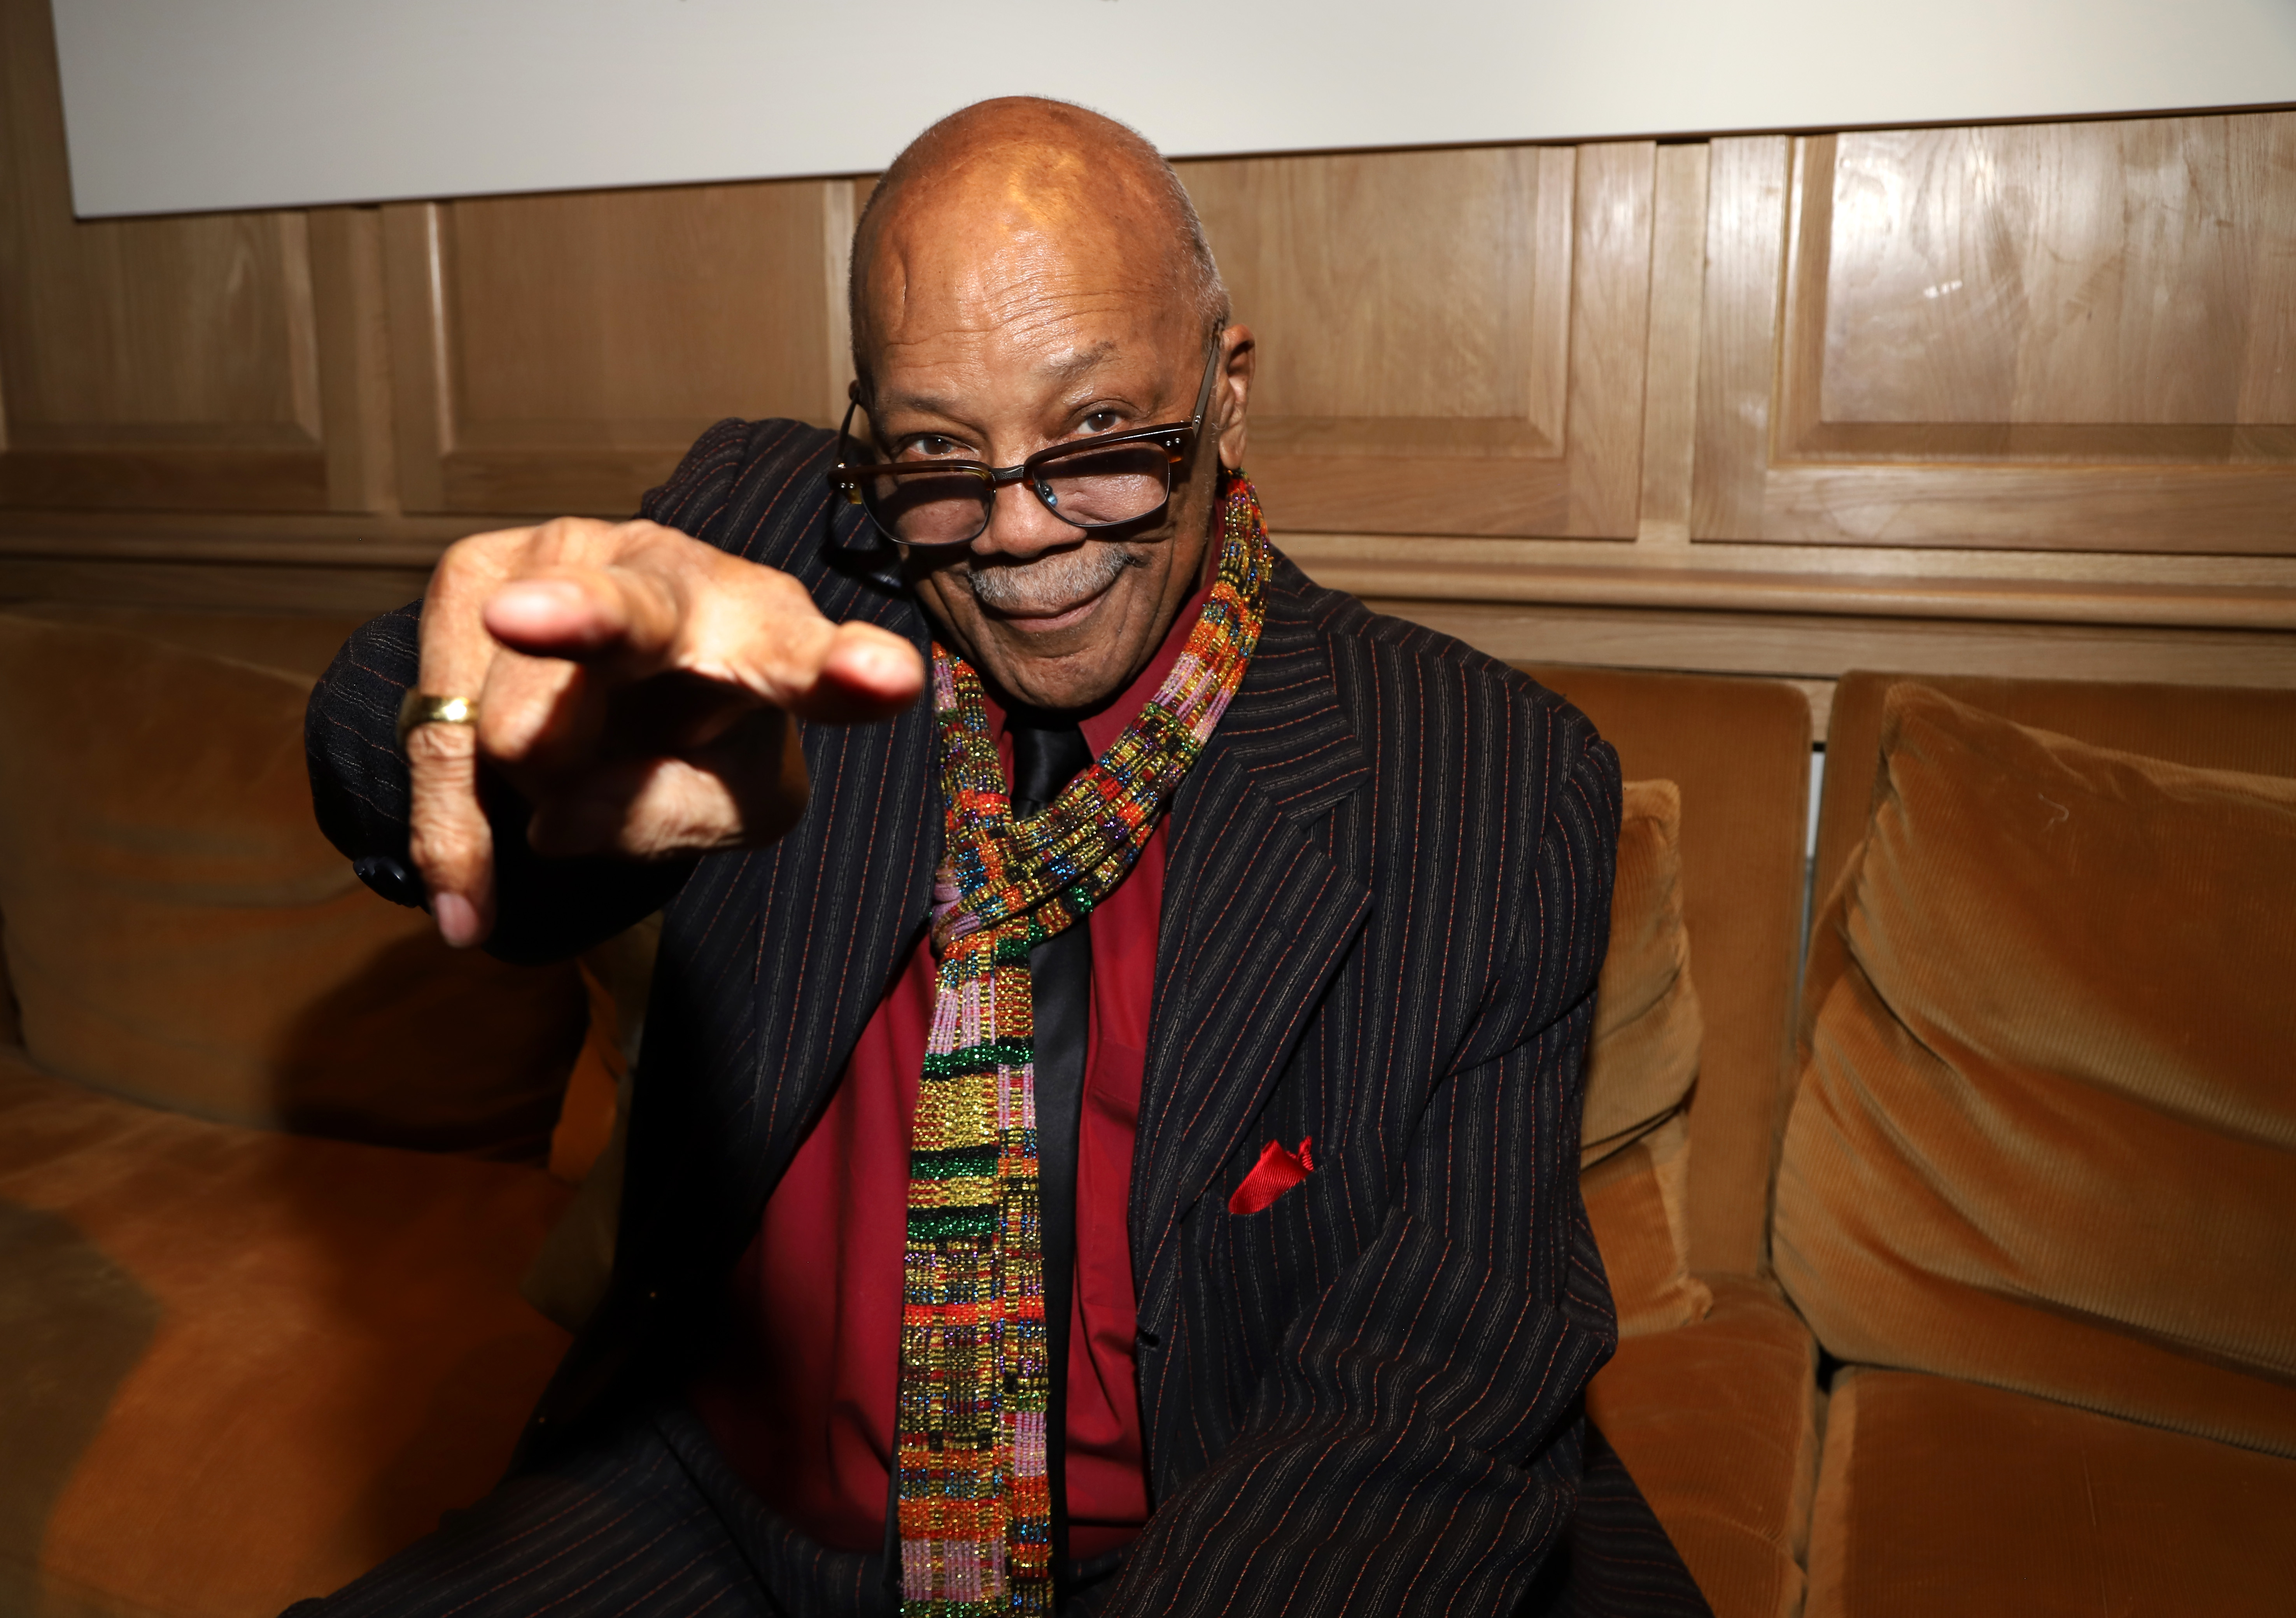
[
  {"x": 1101, "y": 421},
  {"x": 929, "y": 447}
]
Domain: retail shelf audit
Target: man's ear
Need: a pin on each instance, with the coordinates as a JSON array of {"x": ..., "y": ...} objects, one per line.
[{"x": 1232, "y": 393}]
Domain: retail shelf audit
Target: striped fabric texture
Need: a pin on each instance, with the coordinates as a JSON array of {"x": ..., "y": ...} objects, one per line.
[{"x": 1385, "y": 910}]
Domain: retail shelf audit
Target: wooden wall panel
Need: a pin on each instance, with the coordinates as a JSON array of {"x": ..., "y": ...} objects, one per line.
[
  {"x": 2023, "y": 396},
  {"x": 1738, "y": 328},
  {"x": 145, "y": 363},
  {"x": 354, "y": 405},
  {"x": 1678, "y": 211},
  {"x": 1610, "y": 337},
  {"x": 1450, "y": 342},
  {"x": 2076, "y": 291},
  {"x": 2070, "y": 336},
  {"x": 559, "y": 353},
  {"x": 1812, "y": 646}
]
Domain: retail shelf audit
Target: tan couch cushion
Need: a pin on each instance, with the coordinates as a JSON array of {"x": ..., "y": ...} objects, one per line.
[
  {"x": 2243, "y": 728},
  {"x": 1637, "y": 1201},
  {"x": 1938, "y": 1496},
  {"x": 1718, "y": 1423},
  {"x": 238, "y": 1367},
  {"x": 1643, "y": 1057},
  {"x": 177, "y": 930},
  {"x": 1738, "y": 752},
  {"x": 2046, "y": 1138},
  {"x": 1641, "y": 1064}
]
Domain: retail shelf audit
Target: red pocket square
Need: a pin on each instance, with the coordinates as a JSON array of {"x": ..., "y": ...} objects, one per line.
[{"x": 1276, "y": 1173}]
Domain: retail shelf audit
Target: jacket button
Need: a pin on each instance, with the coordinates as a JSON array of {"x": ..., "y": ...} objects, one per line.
[
  {"x": 391, "y": 878},
  {"x": 1144, "y": 1338}
]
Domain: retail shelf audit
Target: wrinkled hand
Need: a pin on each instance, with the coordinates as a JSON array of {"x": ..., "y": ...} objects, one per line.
[{"x": 635, "y": 686}]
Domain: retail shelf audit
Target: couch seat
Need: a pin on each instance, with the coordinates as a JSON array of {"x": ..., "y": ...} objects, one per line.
[
  {"x": 1941, "y": 1496},
  {"x": 238, "y": 1367},
  {"x": 1717, "y": 1422}
]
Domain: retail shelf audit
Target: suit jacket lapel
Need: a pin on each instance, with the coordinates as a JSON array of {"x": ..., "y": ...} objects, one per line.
[
  {"x": 1257, "y": 915},
  {"x": 841, "y": 912}
]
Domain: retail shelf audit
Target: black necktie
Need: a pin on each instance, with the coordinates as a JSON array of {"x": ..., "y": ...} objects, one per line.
[{"x": 1060, "y": 973}]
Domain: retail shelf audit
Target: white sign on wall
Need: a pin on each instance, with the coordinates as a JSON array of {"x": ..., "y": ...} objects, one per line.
[{"x": 173, "y": 105}]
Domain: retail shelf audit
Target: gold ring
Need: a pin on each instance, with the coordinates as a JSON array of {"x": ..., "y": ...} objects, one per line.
[{"x": 419, "y": 708}]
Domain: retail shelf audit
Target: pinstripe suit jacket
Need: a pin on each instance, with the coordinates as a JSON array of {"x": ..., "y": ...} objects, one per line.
[{"x": 1386, "y": 906}]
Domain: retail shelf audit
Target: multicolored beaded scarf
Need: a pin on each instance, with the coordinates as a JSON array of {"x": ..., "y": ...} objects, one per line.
[{"x": 975, "y": 1505}]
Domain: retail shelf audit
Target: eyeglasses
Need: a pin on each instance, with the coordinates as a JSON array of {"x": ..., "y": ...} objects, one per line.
[{"x": 1114, "y": 480}]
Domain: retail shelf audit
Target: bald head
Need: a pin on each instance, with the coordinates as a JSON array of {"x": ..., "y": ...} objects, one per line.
[
  {"x": 1027, "y": 275},
  {"x": 1059, "y": 189}
]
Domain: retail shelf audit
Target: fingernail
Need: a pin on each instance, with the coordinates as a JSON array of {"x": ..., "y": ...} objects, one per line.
[
  {"x": 457, "y": 918},
  {"x": 533, "y": 598}
]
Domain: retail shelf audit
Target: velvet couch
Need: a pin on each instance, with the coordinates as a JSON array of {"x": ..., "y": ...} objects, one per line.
[
  {"x": 2022, "y": 1174},
  {"x": 281, "y": 1269},
  {"x": 2037, "y": 1191}
]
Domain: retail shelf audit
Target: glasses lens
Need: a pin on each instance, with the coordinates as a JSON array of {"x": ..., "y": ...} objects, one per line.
[
  {"x": 1100, "y": 487},
  {"x": 928, "y": 506}
]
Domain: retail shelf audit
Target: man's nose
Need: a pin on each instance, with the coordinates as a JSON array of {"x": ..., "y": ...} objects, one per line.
[{"x": 1020, "y": 524}]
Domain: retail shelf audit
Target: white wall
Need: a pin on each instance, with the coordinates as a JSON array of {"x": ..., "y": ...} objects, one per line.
[{"x": 182, "y": 105}]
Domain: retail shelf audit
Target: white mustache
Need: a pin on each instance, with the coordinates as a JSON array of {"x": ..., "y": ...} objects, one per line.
[{"x": 1051, "y": 583}]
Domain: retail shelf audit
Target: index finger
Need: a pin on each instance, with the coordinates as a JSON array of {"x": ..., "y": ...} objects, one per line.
[
  {"x": 672, "y": 603},
  {"x": 758, "y": 630}
]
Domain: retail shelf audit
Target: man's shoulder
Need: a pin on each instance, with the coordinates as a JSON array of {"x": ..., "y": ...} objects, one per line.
[
  {"x": 1452, "y": 748},
  {"x": 759, "y": 490},
  {"x": 1370, "y": 649}
]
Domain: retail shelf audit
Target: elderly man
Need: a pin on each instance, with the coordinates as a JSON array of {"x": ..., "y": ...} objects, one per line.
[{"x": 1108, "y": 1131}]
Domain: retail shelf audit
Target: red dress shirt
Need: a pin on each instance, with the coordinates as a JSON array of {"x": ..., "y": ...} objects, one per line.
[{"x": 800, "y": 1398}]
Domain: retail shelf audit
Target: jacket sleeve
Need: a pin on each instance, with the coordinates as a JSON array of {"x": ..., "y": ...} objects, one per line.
[
  {"x": 1417, "y": 1444},
  {"x": 546, "y": 909}
]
